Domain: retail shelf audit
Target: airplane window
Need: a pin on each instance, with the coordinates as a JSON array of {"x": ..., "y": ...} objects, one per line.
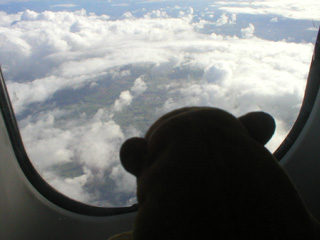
[{"x": 84, "y": 76}]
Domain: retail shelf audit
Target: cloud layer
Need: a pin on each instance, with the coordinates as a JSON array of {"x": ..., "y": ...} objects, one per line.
[
  {"x": 81, "y": 84},
  {"x": 294, "y": 9}
]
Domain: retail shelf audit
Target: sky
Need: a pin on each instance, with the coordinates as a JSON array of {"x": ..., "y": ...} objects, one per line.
[{"x": 83, "y": 78}]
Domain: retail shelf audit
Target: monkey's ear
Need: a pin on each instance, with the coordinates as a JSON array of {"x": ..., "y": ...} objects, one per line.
[
  {"x": 132, "y": 155},
  {"x": 260, "y": 126}
]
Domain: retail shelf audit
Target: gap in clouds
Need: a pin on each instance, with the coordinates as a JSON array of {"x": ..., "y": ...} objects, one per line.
[{"x": 82, "y": 83}]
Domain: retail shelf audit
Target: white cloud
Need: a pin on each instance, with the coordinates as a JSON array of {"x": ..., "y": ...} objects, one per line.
[
  {"x": 92, "y": 144},
  {"x": 252, "y": 75},
  {"x": 139, "y": 87},
  {"x": 224, "y": 19},
  {"x": 124, "y": 100},
  {"x": 124, "y": 181},
  {"x": 12, "y": 1},
  {"x": 295, "y": 9},
  {"x": 97, "y": 143},
  {"x": 72, "y": 49},
  {"x": 217, "y": 72},
  {"x": 248, "y": 32},
  {"x": 127, "y": 15},
  {"x": 126, "y": 97},
  {"x": 64, "y": 5},
  {"x": 233, "y": 17},
  {"x": 120, "y": 5},
  {"x": 43, "y": 133},
  {"x": 314, "y": 29},
  {"x": 71, "y": 187},
  {"x": 275, "y": 19},
  {"x": 156, "y": 14},
  {"x": 7, "y": 19}
]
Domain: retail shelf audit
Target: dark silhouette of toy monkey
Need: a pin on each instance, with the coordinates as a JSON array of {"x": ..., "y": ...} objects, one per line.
[{"x": 205, "y": 174}]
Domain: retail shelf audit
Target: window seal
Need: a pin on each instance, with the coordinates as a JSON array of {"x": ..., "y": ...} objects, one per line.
[
  {"x": 311, "y": 92},
  {"x": 34, "y": 177}
]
